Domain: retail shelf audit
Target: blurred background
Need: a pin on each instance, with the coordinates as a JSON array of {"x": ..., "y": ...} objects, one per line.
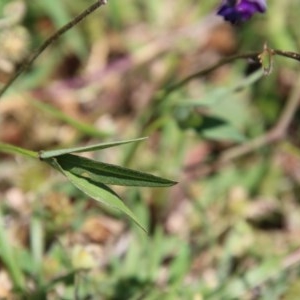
[{"x": 225, "y": 231}]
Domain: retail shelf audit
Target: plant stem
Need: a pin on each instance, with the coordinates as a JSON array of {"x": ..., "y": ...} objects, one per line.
[
  {"x": 224, "y": 61},
  {"x": 288, "y": 54},
  {"x": 7, "y": 148},
  {"x": 31, "y": 58}
]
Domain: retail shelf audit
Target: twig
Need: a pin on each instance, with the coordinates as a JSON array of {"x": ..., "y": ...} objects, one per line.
[
  {"x": 224, "y": 61},
  {"x": 31, "y": 58},
  {"x": 251, "y": 55},
  {"x": 288, "y": 54}
]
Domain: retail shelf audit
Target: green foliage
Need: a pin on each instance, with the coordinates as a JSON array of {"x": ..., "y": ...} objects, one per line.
[
  {"x": 231, "y": 233},
  {"x": 92, "y": 177},
  {"x": 131, "y": 280}
]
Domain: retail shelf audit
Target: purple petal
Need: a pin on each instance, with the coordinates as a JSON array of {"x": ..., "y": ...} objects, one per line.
[{"x": 235, "y": 11}]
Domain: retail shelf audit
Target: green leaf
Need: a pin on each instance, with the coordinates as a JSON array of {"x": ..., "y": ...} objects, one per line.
[
  {"x": 54, "y": 153},
  {"x": 226, "y": 132},
  {"x": 91, "y": 176},
  {"x": 109, "y": 174},
  {"x": 219, "y": 129},
  {"x": 97, "y": 191}
]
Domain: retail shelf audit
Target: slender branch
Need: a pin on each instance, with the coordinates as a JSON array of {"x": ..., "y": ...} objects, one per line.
[
  {"x": 31, "y": 58},
  {"x": 288, "y": 54},
  {"x": 224, "y": 61}
]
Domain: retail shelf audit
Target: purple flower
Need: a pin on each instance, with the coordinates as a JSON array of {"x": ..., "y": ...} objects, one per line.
[{"x": 236, "y": 11}]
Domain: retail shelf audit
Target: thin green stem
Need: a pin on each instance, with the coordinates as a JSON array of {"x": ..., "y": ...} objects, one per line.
[{"x": 7, "y": 148}]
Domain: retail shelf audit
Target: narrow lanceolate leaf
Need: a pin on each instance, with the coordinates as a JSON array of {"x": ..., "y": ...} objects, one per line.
[
  {"x": 53, "y": 153},
  {"x": 97, "y": 191},
  {"x": 109, "y": 174}
]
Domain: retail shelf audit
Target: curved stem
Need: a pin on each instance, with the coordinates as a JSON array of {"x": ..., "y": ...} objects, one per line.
[{"x": 224, "y": 61}]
